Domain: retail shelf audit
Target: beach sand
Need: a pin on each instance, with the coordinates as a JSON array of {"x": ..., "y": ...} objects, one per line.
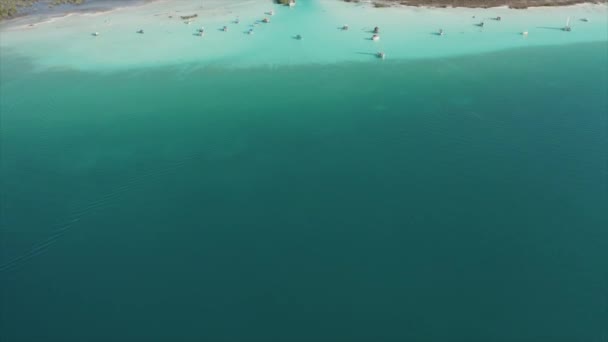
[
  {"x": 479, "y": 3},
  {"x": 406, "y": 33}
]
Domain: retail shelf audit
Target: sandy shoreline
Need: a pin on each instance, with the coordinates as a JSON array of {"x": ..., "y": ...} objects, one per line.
[
  {"x": 40, "y": 11},
  {"x": 515, "y": 4},
  {"x": 406, "y": 33},
  {"x": 44, "y": 7}
]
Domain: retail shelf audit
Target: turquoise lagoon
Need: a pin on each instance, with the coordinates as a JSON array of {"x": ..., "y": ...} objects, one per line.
[{"x": 453, "y": 198}]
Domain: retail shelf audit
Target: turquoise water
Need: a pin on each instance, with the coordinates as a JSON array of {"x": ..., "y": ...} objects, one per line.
[
  {"x": 406, "y": 33},
  {"x": 457, "y": 199}
]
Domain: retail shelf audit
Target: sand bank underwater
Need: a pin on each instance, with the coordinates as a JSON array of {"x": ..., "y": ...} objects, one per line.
[{"x": 406, "y": 33}]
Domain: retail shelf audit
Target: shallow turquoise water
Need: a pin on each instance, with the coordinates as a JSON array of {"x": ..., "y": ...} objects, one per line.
[
  {"x": 440, "y": 200},
  {"x": 407, "y": 33}
]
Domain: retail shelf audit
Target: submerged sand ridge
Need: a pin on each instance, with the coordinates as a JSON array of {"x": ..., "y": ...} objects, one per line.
[{"x": 235, "y": 34}]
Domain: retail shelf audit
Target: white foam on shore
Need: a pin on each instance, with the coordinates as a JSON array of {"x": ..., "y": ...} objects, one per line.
[{"x": 406, "y": 33}]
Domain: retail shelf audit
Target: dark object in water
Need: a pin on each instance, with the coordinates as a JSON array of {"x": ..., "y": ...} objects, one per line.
[
  {"x": 480, "y": 24},
  {"x": 376, "y": 29},
  {"x": 186, "y": 17},
  {"x": 140, "y": 31}
]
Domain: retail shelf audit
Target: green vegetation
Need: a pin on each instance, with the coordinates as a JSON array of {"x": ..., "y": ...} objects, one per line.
[{"x": 10, "y": 8}]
